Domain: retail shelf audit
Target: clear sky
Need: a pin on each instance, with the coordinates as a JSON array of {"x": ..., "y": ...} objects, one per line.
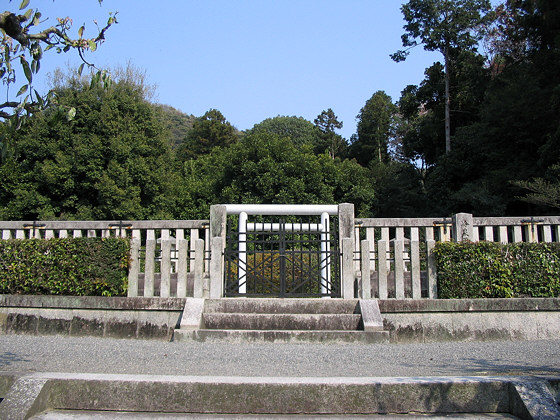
[{"x": 251, "y": 59}]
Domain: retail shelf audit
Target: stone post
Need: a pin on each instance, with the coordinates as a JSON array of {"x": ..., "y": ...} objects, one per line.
[
  {"x": 364, "y": 291},
  {"x": 346, "y": 238},
  {"x": 462, "y": 227},
  {"x": 217, "y": 244},
  {"x": 198, "y": 289}
]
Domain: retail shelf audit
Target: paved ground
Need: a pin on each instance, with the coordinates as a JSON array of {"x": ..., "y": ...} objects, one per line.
[{"x": 24, "y": 353}]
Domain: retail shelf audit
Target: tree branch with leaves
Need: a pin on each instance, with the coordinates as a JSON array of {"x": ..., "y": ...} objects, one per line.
[{"x": 24, "y": 40}]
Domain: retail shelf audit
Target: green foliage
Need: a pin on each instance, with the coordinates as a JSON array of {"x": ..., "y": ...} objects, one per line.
[
  {"x": 493, "y": 270},
  {"x": 543, "y": 191},
  {"x": 266, "y": 168},
  {"x": 332, "y": 143},
  {"x": 442, "y": 24},
  {"x": 298, "y": 129},
  {"x": 375, "y": 129},
  {"x": 208, "y": 132},
  {"x": 64, "y": 266},
  {"x": 25, "y": 38},
  {"x": 178, "y": 123},
  {"x": 112, "y": 161}
]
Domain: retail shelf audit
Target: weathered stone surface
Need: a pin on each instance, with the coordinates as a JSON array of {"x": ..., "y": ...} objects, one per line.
[
  {"x": 91, "y": 302},
  {"x": 54, "y": 326},
  {"x": 269, "y": 306},
  {"x": 282, "y": 321},
  {"x": 437, "y": 327},
  {"x": 404, "y": 328},
  {"x": 260, "y": 395},
  {"x": 469, "y": 305},
  {"x": 371, "y": 316},
  {"x": 7, "y": 379},
  {"x": 282, "y": 336},
  {"x": 26, "y": 397},
  {"x": 192, "y": 314},
  {"x": 22, "y": 323},
  {"x": 537, "y": 400},
  {"x": 3, "y": 322},
  {"x": 548, "y": 325},
  {"x": 156, "y": 325},
  {"x": 87, "y": 325},
  {"x": 120, "y": 328},
  {"x": 429, "y": 322}
]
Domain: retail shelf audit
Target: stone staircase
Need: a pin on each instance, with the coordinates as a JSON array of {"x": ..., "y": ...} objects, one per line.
[{"x": 282, "y": 320}]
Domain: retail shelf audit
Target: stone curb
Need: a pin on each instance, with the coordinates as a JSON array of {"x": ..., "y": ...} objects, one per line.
[
  {"x": 92, "y": 302},
  {"x": 469, "y": 305},
  {"x": 524, "y": 397}
]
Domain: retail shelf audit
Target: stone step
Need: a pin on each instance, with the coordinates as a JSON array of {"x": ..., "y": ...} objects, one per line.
[
  {"x": 282, "y": 336},
  {"x": 281, "y": 321},
  {"x": 282, "y": 306},
  {"x": 146, "y": 396}
]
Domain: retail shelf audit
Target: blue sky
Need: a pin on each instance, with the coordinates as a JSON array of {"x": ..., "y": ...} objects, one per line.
[{"x": 251, "y": 59}]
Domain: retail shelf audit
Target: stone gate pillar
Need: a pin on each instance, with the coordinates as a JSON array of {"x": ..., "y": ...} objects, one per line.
[
  {"x": 217, "y": 244},
  {"x": 346, "y": 238}
]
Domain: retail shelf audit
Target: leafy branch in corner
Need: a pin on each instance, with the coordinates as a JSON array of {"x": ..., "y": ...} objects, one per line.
[{"x": 24, "y": 40}]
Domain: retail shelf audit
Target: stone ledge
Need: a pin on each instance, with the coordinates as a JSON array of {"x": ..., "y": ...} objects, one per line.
[
  {"x": 92, "y": 302},
  {"x": 469, "y": 305}
]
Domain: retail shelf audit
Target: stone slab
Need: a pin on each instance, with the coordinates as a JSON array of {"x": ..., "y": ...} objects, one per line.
[
  {"x": 282, "y": 336},
  {"x": 31, "y": 394},
  {"x": 192, "y": 314},
  {"x": 282, "y": 306},
  {"x": 281, "y": 321},
  {"x": 371, "y": 316}
]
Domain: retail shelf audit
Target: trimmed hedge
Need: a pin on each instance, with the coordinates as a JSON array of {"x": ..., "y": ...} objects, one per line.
[
  {"x": 64, "y": 266},
  {"x": 493, "y": 270}
]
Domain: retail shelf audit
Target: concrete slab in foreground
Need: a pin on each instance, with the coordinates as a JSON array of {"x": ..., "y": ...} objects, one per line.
[{"x": 523, "y": 397}]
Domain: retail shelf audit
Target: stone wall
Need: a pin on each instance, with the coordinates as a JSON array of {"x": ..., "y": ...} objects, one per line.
[
  {"x": 431, "y": 320},
  {"x": 144, "y": 318}
]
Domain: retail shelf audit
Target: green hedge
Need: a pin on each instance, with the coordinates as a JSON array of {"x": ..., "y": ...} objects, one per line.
[
  {"x": 493, "y": 270},
  {"x": 64, "y": 266}
]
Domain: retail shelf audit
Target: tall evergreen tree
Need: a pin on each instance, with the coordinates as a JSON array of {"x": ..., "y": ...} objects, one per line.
[
  {"x": 444, "y": 26},
  {"x": 374, "y": 130}
]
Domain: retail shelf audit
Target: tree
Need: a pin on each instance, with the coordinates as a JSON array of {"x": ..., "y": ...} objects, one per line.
[
  {"x": 298, "y": 129},
  {"x": 421, "y": 108},
  {"x": 112, "y": 161},
  {"x": 443, "y": 25},
  {"x": 267, "y": 168},
  {"x": 327, "y": 122},
  {"x": 209, "y": 131},
  {"x": 374, "y": 130},
  {"x": 543, "y": 191}
]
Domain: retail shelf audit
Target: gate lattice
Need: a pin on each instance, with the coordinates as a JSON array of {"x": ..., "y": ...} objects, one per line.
[{"x": 280, "y": 258}]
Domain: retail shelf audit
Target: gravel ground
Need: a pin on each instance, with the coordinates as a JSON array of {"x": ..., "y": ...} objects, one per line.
[{"x": 25, "y": 353}]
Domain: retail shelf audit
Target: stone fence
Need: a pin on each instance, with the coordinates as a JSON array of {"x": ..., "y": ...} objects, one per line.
[
  {"x": 395, "y": 255},
  {"x": 393, "y": 258},
  {"x": 168, "y": 258}
]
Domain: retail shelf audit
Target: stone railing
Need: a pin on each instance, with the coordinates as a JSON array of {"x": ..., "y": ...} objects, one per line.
[
  {"x": 167, "y": 257},
  {"x": 393, "y": 258},
  {"x": 395, "y": 255}
]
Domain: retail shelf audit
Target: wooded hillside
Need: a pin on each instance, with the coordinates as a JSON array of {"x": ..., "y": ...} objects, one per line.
[{"x": 479, "y": 134}]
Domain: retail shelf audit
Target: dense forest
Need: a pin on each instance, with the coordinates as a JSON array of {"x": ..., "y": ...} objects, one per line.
[{"x": 480, "y": 134}]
